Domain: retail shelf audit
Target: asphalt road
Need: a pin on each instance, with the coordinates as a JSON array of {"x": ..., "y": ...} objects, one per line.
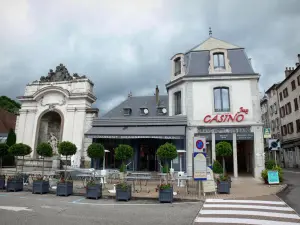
[
  {"x": 24, "y": 208},
  {"x": 291, "y": 194}
]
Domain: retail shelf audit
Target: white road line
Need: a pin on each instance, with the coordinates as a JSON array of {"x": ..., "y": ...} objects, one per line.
[
  {"x": 215, "y": 220},
  {"x": 245, "y": 201},
  {"x": 250, "y": 213},
  {"x": 247, "y": 207},
  {"x": 15, "y": 208}
]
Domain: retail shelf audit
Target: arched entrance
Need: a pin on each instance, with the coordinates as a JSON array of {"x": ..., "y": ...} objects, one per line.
[{"x": 50, "y": 129}]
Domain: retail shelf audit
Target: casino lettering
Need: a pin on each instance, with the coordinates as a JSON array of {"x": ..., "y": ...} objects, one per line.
[{"x": 222, "y": 118}]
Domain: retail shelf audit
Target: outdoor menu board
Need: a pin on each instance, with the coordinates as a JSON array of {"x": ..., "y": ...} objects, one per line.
[
  {"x": 273, "y": 177},
  {"x": 209, "y": 184},
  {"x": 199, "y": 166}
]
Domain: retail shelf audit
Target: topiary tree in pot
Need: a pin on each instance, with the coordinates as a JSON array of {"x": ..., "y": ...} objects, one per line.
[
  {"x": 3, "y": 152},
  {"x": 94, "y": 190},
  {"x": 217, "y": 169},
  {"x": 40, "y": 185},
  {"x": 65, "y": 186},
  {"x": 15, "y": 183},
  {"x": 166, "y": 152},
  {"x": 123, "y": 152}
]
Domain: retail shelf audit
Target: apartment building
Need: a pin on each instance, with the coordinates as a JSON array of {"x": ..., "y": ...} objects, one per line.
[{"x": 288, "y": 92}]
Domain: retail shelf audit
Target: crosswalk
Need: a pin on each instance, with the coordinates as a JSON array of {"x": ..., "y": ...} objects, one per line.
[{"x": 255, "y": 212}]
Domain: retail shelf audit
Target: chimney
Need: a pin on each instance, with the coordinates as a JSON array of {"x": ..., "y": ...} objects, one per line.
[
  {"x": 157, "y": 95},
  {"x": 297, "y": 64},
  {"x": 288, "y": 71},
  {"x": 299, "y": 58},
  {"x": 130, "y": 94}
]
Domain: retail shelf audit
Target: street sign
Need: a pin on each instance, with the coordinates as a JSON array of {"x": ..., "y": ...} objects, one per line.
[
  {"x": 267, "y": 133},
  {"x": 273, "y": 177},
  {"x": 274, "y": 144},
  {"x": 199, "y": 166},
  {"x": 199, "y": 144}
]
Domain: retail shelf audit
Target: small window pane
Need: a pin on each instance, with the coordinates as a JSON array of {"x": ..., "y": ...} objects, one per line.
[
  {"x": 217, "y": 99},
  {"x": 221, "y": 61},
  {"x": 225, "y": 99}
]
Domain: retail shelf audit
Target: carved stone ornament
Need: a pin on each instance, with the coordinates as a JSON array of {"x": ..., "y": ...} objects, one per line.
[
  {"x": 52, "y": 105},
  {"x": 61, "y": 74}
]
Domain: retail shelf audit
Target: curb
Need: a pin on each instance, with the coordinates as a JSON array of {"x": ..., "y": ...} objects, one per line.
[{"x": 282, "y": 189}]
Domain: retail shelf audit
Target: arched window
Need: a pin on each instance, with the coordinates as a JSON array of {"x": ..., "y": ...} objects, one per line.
[
  {"x": 219, "y": 61},
  {"x": 221, "y": 99},
  {"x": 177, "y": 65}
]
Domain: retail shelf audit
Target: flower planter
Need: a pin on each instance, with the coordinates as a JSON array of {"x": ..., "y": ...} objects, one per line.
[
  {"x": 64, "y": 189},
  {"x": 166, "y": 195},
  {"x": 14, "y": 185},
  {"x": 40, "y": 187},
  {"x": 94, "y": 191},
  {"x": 122, "y": 194},
  {"x": 224, "y": 187},
  {"x": 2, "y": 182}
]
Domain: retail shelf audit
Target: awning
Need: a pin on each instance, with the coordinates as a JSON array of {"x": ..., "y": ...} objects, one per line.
[{"x": 157, "y": 132}]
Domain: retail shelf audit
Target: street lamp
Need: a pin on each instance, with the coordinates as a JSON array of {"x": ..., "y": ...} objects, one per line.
[
  {"x": 103, "y": 171},
  {"x": 180, "y": 173}
]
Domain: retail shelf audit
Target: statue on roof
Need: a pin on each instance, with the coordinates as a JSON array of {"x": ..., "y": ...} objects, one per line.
[{"x": 61, "y": 74}]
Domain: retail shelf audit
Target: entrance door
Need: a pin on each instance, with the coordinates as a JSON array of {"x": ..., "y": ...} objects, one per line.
[{"x": 147, "y": 159}]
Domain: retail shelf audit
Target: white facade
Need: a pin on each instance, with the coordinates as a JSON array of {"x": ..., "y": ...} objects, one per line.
[
  {"x": 70, "y": 99},
  {"x": 197, "y": 101}
]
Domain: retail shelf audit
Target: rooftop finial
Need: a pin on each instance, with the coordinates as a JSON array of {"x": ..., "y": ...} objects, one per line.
[{"x": 210, "y": 32}]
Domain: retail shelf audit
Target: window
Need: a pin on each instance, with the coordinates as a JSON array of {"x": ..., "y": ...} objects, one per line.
[
  {"x": 275, "y": 108},
  {"x": 283, "y": 130},
  {"x": 290, "y": 128},
  {"x": 288, "y": 108},
  {"x": 298, "y": 125},
  {"x": 285, "y": 93},
  {"x": 280, "y": 95},
  {"x": 273, "y": 125},
  {"x": 293, "y": 83},
  {"x": 219, "y": 61},
  {"x": 271, "y": 110},
  {"x": 277, "y": 123},
  {"x": 296, "y": 104},
  {"x": 221, "y": 99},
  {"x": 282, "y": 112},
  {"x": 177, "y": 63},
  {"x": 177, "y": 98},
  {"x": 298, "y": 80}
]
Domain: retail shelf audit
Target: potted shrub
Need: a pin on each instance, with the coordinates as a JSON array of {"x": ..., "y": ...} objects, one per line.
[
  {"x": 223, "y": 184},
  {"x": 166, "y": 153},
  {"x": 94, "y": 190},
  {"x": 217, "y": 169},
  {"x": 264, "y": 175},
  {"x": 65, "y": 187},
  {"x": 123, "y": 153},
  {"x": 40, "y": 185},
  {"x": 123, "y": 191},
  {"x": 15, "y": 183},
  {"x": 165, "y": 193},
  {"x": 3, "y": 152}
]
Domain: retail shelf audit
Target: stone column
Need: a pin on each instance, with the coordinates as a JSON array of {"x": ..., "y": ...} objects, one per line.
[
  {"x": 235, "y": 162},
  {"x": 213, "y": 147}
]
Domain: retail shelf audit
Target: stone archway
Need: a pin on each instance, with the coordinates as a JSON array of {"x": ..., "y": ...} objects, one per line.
[{"x": 50, "y": 129}]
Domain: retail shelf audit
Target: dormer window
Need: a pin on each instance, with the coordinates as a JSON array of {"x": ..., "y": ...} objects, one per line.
[
  {"x": 162, "y": 110},
  {"x": 144, "y": 111},
  {"x": 177, "y": 64},
  {"x": 127, "y": 111},
  {"x": 219, "y": 60}
]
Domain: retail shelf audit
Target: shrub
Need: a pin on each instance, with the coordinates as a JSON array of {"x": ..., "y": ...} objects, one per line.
[
  {"x": 217, "y": 167},
  {"x": 166, "y": 152},
  {"x": 95, "y": 151},
  {"x": 123, "y": 152},
  {"x": 270, "y": 164},
  {"x": 19, "y": 149},
  {"x": 264, "y": 175},
  {"x": 44, "y": 150},
  {"x": 3, "y": 152},
  {"x": 66, "y": 149},
  {"x": 223, "y": 149},
  {"x": 11, "y": 138}
]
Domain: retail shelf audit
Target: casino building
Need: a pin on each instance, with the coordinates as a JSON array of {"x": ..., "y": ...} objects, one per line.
[{"x": 212, "y": 92}]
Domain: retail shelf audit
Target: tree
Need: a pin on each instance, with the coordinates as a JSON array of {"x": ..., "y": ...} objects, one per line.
[
  {"x": 3, "y": 152},
  {"x": 19, "y": 149},
  {"x": 223, "y": 149},
  {"x": 9, "y": 104},
  {"x": 95, "y": 151},
  {"x": 167, "y": 152},
  {"x": 11, "y": 138},
  {"x": 44, "y": 150},
  {"x": 67, "y": 148},
  {"x": 123, "y": 152}
]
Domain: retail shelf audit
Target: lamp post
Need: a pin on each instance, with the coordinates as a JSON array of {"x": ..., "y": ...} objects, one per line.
[
  {"x": 103, "y": 171},
  {"x": 180, "y": 173}
]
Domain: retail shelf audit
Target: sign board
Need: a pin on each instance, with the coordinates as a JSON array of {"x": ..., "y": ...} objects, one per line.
[
  {"x": 208, "y": 186},
  {"x": 273, "y": 177},
  {"x": 210, "y": 173},
  {"x": 205, "y": 135},
  {"x": 199, "y": 144},
  {"x": 199, "y": 166},
  {"x": 224, "y": 137},
  {"x": 274, "y": 144},
  {"x": 267, "y": 133},
  {"x": 245, "y": 136}
]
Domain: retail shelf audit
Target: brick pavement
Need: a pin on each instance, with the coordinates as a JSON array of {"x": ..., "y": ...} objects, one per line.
[{"x": 258, "y": 210}]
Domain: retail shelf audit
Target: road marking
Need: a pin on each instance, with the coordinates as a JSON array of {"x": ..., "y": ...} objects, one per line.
[
  {"x": 248, "y": 207},
  {"x": 14, "y": 208},
  {"x": 245, "y": 201},
  {"x": 78, "y": 200},
  {"x": 250, "y": 213},
  {"x": 241, "y": 221}
]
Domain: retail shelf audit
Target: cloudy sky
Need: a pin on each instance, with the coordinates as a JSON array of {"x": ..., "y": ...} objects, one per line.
[{"x": 126, "y": 45}]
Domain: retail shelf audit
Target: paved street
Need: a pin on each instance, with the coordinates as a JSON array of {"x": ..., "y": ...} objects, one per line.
[
  {"x": 24, "y": 208},
  {"x": 291, "y": 195},
  {"x": 261, "y": 211}
]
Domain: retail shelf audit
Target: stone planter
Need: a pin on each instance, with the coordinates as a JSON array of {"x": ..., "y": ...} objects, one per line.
[
  {"x": 14, "y": 185},
  {"x": 2, "y": 182},
  {"x": 122, "y": 194},
  {"x": 166, "y": 195},
  {"x": 94, "y": 191},
  {"x": 40, "y": 187},
  {"x": 64, "y": 189},
  {"x": 224, "y": 187}
]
